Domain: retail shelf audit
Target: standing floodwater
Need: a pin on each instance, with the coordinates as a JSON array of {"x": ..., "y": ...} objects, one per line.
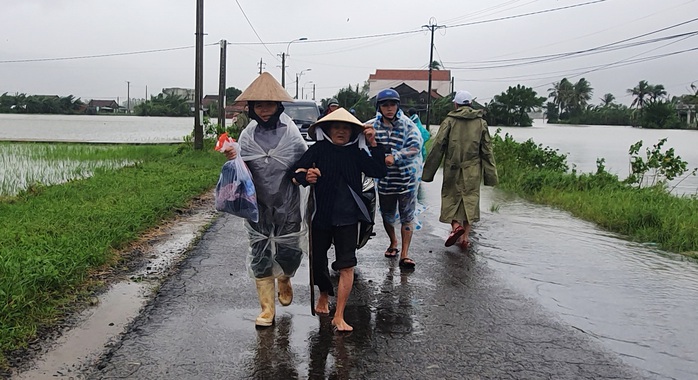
[{"x": 638, "y": 301}]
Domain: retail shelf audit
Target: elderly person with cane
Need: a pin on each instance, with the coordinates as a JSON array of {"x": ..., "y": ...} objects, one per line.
[
  {"x": 269, "y": 145},
  {"x": 334, "y": 164}
]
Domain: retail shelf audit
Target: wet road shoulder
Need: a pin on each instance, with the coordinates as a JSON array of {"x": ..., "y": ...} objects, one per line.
[{"x": 451, "y": 318}]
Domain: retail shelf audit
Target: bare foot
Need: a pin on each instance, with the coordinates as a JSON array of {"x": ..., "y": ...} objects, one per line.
[
  {"x": 323, "y": 304},
  {"x": 341, "y": 325}
]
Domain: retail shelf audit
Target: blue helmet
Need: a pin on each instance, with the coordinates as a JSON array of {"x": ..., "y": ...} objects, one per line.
[{"x": 387, "y": 94}]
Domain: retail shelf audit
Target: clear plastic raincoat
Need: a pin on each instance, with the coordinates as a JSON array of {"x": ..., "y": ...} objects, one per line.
[{"x": 278, "y": 240}]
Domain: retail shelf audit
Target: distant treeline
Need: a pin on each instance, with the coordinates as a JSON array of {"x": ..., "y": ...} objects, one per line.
[{"x": 51, "y": 104}]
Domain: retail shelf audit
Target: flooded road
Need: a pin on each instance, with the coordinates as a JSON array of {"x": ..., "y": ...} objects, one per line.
[
  {"x": 541, "y": 296},
  {"x": 638, "y": 301}
]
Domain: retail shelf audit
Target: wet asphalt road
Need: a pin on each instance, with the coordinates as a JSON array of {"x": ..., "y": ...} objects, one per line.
[{"x": 452, "y": 318}]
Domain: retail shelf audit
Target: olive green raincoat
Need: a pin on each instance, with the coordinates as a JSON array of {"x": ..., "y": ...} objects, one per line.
[{"x": 464, "y": 143}]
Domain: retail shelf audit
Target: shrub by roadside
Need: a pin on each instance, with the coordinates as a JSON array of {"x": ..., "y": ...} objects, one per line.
[{"x": 647, "y": 214}]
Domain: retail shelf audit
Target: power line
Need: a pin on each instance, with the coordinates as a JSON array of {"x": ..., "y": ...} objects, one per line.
[
  {"x": 525, "y": 14},
  {"x": 574, "y": 54},
  {"x": 100, "y": 55},
  {"x": 254, "y": 30}
]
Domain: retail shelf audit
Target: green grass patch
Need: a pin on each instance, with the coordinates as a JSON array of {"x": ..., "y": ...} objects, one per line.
[
  {"x": 648, "y": 214},
  {"x": 53, "y": 237}
]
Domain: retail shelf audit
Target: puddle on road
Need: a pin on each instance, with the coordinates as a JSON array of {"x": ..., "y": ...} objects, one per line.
[
  {"x": 636, "y": 300},
  {"x": 97, "y": 327}
]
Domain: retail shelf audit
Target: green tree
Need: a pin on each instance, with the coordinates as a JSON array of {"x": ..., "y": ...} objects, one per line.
[
  {"x": 552, "y": 112},
  {"x": 512, "y": 107},
  {"x": 562, "y": 94},
  {"x": 581, "y": 95},
  {"x": 231, "y": 93},
  {"x": 640, "y": 93},
  {"x": 660, "y": 115},
  {"x": 607, "y": 100},
  {"x": 164, "y": 105},
  {"x": 657, "y": 92},
  {"x": 356, "y": 98}
]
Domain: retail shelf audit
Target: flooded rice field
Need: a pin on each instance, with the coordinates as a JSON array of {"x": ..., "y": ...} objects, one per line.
[{"x": 23, "y": 165}]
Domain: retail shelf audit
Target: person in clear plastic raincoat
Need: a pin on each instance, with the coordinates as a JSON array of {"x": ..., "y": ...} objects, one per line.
[
  {"x": 270, "y": 144},
  {"x": 397, "y": 192}
]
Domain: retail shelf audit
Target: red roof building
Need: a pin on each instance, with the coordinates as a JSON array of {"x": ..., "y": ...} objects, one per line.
[{"x": 416, "y": 79}]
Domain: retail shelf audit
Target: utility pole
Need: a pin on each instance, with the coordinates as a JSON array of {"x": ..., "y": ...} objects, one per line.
[
  {"x": 128, "y": 97},
  {"x": 146, "y": 93},
  {"x": 283, "y": 70},
  {"x": 261, "y": 66},
  {"x": 453, "y": 79},
  {"x": 198, "y": 73},
  {"x": 313, "y": 91},
  {"x": 432, "y": 26},
  {"x": 221, "y": 85}
]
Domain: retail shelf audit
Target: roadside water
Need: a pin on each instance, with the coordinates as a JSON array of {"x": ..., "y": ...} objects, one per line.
[
  {"x": 583, "y": 144},
  {"x": 636, "y": 300}
]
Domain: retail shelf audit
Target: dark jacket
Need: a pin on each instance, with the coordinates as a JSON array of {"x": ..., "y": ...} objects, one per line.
[{"x": 339, "y": 166}]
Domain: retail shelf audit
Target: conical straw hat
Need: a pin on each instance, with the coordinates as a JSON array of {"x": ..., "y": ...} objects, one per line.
[
  {"x": 265, "y": 88},
  {"x": 340, "y": 114}
]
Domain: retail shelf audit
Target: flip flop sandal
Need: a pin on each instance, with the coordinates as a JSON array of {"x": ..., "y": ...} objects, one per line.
[
  {"x": 453, "y": 237},
  {"x": 407, "y": 263},
  {"x": 391, "y": 252}
]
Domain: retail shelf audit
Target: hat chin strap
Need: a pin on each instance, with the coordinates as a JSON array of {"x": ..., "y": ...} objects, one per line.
[{"x": 361, "y": 139}]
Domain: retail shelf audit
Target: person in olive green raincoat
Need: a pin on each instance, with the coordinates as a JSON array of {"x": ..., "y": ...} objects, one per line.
[{"x": 464, "y": 143}]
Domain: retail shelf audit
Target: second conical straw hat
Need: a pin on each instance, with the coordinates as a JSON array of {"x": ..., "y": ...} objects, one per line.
[
  {"x": 340, "y": 114},
  {"x": 265, "y": 88}
]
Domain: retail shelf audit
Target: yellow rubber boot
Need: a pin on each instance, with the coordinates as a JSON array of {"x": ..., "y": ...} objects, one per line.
[
  {"x": 265, "y": 292},
  {"x": 285, "y": 290}
]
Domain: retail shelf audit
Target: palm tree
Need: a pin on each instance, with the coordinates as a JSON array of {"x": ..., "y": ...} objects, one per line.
[
  {"x": 639, "y": 92},
  {"x": 656, "y": 92},
  {"x": 562, "y": 94},
  {"x": 436, "y": 65},
  {"x": 607, "y": 100},
  {"x": 582, "y": 94}
]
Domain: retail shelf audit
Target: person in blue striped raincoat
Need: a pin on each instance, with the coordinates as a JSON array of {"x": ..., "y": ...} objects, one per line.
[{"x": 397, "y": 192}]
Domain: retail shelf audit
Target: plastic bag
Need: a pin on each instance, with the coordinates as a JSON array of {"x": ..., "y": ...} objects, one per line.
[{"x": 235, "y": 192}]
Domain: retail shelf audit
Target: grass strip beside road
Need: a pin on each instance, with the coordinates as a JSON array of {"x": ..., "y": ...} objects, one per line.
[
  {"x": 53, "y": 238},
  {"x": 647, "y": 215}
]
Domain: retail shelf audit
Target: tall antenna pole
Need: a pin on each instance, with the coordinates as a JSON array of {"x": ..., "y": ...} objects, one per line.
[
  {"x": 198, "y": 80},
  {"x": 432, "y": 26}
]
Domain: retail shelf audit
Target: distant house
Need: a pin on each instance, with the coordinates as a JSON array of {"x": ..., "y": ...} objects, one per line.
[
  {"x": 234, "y": 108},
  {"x": 418, "y": 80},
  {"x": 688, "y": 113},
  {"x": 102, "y": 106},
  {"x": 186, "y": 93},
  {"x": 208, "y": 100}
]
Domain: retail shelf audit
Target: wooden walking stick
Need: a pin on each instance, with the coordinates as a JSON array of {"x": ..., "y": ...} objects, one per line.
[{"x": 311, "y": 204}]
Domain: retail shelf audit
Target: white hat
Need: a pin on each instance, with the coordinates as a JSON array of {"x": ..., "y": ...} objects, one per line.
[
  {"x": 341, "y": 115},
  {"x": 463, "y": 97}
]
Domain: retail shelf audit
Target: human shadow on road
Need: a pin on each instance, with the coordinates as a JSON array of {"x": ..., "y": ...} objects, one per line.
[
  {"x": 273, "y": 356},
  {"x": 333, "y": 354},
  {"x": 394, "y": 304}
]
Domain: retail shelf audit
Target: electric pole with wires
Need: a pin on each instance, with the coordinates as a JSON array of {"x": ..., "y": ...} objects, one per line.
[{"x": 432, "y": 26}]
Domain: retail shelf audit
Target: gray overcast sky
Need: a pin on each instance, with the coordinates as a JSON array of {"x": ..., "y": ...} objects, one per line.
[{"x": 38, "y": 29}]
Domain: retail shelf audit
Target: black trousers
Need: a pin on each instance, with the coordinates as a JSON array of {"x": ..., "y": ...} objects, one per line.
[{"x": 344, "y": 239}]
